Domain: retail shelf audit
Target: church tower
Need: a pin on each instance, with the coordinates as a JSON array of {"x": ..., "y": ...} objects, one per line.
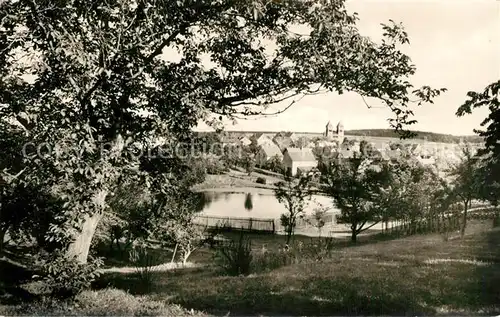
[
  {"x": 340, "y": 132},
  {"x": 329, "y": 131}
]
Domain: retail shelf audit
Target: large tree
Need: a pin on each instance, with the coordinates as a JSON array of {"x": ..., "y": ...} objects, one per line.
[
  {"x": 466, "y": 181},
  {"x": 356, "y": 186},
  {"x": 295, "y": 194},
  {"x": 490, "y": 154},
  {"x": 98, "y": 82}
]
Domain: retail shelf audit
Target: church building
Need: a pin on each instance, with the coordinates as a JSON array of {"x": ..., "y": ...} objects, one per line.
[{"x": 332, "y": 133}]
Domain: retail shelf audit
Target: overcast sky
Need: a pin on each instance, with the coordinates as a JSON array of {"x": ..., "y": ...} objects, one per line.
[{"x": 454, "y": 44}]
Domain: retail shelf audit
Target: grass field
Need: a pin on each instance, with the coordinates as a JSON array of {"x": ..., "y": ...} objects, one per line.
[
  {"x": 417, "y": 275},
  {"x": 411, "y": 276},
  {"x": 236, "y": 179}
]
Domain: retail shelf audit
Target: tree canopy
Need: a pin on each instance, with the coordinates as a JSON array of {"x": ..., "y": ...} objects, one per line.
[
  {"x": 90, "y": 83},
  {"x": 491, "y": 153}
]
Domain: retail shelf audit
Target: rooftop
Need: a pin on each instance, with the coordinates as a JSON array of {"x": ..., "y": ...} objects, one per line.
[
  {"x": 271, "y": 150},
  {"x": 301, "y": 154}
]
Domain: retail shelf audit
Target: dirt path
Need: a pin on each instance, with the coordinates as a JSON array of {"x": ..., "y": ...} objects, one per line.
[{"x": 158, "y": 268}]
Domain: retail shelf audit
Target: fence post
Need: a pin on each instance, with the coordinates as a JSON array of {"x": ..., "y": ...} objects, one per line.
[
  {"x": 274, "y": 228},
  {"x": 250, "y": 224}
]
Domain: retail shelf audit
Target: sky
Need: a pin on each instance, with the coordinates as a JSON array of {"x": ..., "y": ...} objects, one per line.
[{"x": 453, "y": 43}]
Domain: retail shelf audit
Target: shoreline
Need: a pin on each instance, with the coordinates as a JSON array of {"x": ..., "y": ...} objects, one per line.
[{"x": 237, "y": 190}]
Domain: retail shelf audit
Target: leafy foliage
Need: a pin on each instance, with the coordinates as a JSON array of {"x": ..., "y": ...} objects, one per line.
[
  {"x": 260, "y": 180},
  {"x": 318, "y": 217},
  {"x": 65, "y": 277},
  {"x": 101, "y": 92},
  {"x": 236, "y": 257},
  {"x": 293, "y": 193},
  {"x": 491, "y": 153},
  {"x": 467, "y": 180},
  {"x": 355, "y": 186},
  {"x": 145, "y": 266},
  {"x": 176, "y": 224},
  {"x": 275, "y": 164}
]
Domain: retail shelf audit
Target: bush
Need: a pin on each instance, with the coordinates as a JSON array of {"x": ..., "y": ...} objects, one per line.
[
  {"x": 235, "y": 258},
  {"x": 266, "y": 261},
  {"x": 63, "y": 277},
  {"x": 318, "y": 250},
  {"x": 215, "y": 166},
  {"x": 106, "y": 302},
  {"x": 144, "y": 263},
  {"x": 315, "y": 250},
  {"x": 260, "y": 180},
  {"x": 496, "y": 221}
]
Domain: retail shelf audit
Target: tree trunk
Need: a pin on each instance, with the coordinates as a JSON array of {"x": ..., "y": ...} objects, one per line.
[
  {"x": 185, "y": 256},
  {"x": 117, "y": 240},
  {"x": 173, "y": 254},
  {"x": 288, "y": 235},
  {"x": 3, "y": 231},
  {"x": 464, "y": 220},
  {"x": 354, "y": 232},
  {"x": 80, "y": 246}
]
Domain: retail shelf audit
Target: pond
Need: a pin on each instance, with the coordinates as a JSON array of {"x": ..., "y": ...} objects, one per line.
[{"x": 254, "y": 205}]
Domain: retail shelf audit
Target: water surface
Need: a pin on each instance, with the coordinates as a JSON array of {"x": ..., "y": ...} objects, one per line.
[{"x": 254, "y": 205}]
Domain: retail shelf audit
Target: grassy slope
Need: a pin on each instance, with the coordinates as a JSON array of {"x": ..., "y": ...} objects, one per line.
[
  {"x": 415, "y": 275},
  {"x": 235, "y": 179},
  {"x": 108, "y": 302},
  {"x": 408, "y": 276}
]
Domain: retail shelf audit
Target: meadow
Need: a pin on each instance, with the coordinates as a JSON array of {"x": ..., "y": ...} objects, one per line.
[{"x": 380, "y": 275}]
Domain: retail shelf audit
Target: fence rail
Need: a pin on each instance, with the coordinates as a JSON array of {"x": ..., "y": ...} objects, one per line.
[{"x": 249, "y": 224}]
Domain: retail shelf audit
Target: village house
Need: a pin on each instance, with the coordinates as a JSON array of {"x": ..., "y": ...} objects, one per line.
[
  {"x": 299, "y": 159},
  {"x": 261, "y": 139},
  {"x": 245, "y": 141},
  {"x": 283, "y": 140},
  {"x": 266, "y": 152}
]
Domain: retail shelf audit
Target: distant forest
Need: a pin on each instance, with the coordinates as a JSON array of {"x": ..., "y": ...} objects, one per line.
[
  {"x": 429, "y": 136},
  {"x": 383, "y": 133}
]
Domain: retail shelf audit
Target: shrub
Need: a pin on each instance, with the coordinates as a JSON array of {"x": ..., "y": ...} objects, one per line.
[
  {"x": 144, "y": 263},
  {"x": 215, "y": 166},
  {"x": 266, "y": 261},
  {"x": 317, "y": 250},
  {"x": 496, "y": 220},
  {"x": 63, "y": 277},
  {"x": 107, "y": 302},
  {"x": 235, "y": 258},
  {"x": 260, "y": 180}
]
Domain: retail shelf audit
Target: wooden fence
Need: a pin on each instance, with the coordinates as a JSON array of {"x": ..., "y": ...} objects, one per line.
[{"x": 247, "y": 224}]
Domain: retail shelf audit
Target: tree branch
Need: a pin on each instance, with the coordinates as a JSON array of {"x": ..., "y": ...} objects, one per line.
[
  {"x": 361, "y": 229},
  {"x": 159, "y": 49}
]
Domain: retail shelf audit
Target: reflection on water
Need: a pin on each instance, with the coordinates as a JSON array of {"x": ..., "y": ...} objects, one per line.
[
  {"x": 248, "y": 202},
  {"x": 249, "y": 205}
]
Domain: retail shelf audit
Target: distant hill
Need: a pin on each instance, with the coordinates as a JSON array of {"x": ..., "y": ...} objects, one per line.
[
  {"x": 375, "y": 133},
  {"x": 428, "y": 136}
]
